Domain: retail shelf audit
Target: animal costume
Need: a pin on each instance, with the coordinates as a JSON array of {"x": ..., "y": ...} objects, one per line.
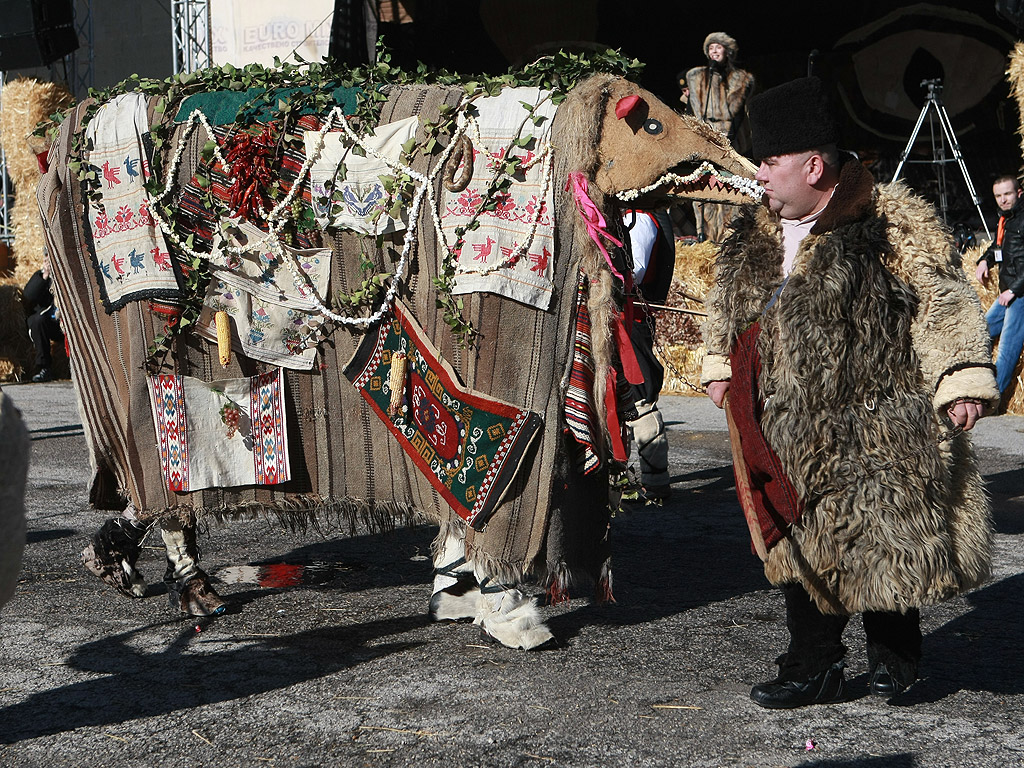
[{"x": 383, "y": 414}]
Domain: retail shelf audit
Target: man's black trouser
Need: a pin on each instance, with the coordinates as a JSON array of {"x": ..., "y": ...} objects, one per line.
[{"x": 815, "y": 638}]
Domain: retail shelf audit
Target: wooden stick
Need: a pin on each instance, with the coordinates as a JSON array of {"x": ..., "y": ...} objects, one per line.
[
  {"x": 743, "y": 485},
  {"x": 664, "y": 308}
]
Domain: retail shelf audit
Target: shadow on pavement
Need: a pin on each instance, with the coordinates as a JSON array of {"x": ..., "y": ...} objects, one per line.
[
  {"x": 902, "y": 760},
  {"x": 978, "y": 651},
  {"x": 140, "y": 684}
]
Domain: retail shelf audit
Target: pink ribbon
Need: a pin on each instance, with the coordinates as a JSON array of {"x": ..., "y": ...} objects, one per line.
[{"x": 592, "y": 217}]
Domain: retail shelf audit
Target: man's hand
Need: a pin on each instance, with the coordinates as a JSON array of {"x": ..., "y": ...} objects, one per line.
[
  {"x": 1006, "y": 297},
  {"x": 982, "y": 272},
  {"x": 717, "y": 391},
  {"x": 965, "y": 412}
]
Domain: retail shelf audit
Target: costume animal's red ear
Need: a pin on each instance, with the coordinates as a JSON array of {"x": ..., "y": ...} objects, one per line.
[{"x": 626, "y": 105}]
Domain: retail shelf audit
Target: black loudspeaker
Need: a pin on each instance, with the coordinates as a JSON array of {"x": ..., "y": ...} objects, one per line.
[
  {"x": 34, "y": 33},
  {"x": 1012, "y": 11}
]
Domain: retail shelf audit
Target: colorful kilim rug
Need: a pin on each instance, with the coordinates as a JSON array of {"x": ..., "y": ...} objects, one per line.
[
  {"x": 129, "y": 252},
  {"x": 523, "y": 219},
  {"x": 579, "y": 408},
  {"x": 469, "y": 446},
  {"x": 198, "y": 448}
]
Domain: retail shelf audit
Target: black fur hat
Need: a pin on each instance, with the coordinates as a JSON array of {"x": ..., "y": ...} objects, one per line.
[{"x": 792, "y": 117}]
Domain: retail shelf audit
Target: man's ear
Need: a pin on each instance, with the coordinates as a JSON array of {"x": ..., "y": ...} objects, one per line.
[{"x": 815, "y": 169}]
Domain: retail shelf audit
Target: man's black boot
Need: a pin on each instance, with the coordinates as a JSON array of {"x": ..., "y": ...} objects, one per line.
[
  {"x": 886, "y": 683},
  {"x": 823, "y": 688}
]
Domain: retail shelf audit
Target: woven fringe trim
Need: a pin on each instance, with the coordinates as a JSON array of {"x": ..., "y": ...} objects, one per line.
[
  {"x": 303, "y": 512},
  {"x": 560, "y": 579}
]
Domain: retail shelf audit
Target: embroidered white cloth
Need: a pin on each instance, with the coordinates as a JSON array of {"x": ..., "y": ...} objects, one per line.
[
  {"x": 132, "y": 259},
  {"x": 275, "y": 320},
  {"x": 195, "y": 449},
  {"x": 363, "y": 197},
  {"x": 524, "y": 219}
]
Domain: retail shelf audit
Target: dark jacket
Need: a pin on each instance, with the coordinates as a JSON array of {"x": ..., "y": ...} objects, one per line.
[{"x": 1011, "y": 268}]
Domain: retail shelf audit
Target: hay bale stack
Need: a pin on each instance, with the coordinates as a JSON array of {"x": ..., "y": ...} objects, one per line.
[
  {"x": 1015, "y": 77},
  {"x": 26, "y": 103},
  {"x": 16, "y": 353},
  {"x": 678, "y": 341}
]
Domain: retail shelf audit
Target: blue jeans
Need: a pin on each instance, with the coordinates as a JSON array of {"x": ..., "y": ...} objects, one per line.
[{"x": 1006, "y": 324}]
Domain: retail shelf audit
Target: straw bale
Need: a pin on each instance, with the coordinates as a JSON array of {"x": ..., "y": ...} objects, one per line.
[
  {"x": 16, "y": 353},
  {"x": 29, "y": 241},
  {"x": 1015, "y": 77},
  {"x": 26, "y": 103},
  {"x": 678, "y": 341}
]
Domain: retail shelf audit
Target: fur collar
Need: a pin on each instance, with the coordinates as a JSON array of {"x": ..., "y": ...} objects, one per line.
[{"x": 852, "y": 200}]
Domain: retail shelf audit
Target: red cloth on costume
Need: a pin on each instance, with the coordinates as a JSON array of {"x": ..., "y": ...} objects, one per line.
[{"x": 776, "y": 501}]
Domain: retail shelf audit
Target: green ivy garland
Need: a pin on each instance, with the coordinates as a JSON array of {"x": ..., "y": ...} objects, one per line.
[{"x": 314, "y": 83}]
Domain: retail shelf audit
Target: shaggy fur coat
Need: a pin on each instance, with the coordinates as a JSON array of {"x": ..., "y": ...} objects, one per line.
[{"x": 873, "y": 336}]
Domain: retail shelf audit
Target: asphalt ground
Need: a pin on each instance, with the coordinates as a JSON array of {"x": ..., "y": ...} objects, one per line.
[{"x": 332, "y": 662}]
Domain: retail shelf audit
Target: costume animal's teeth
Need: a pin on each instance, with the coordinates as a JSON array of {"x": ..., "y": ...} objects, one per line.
[{"x": 718, "y": 180}]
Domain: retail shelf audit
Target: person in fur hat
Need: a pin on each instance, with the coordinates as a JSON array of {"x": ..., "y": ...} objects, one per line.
[
  {"x": 852, "y": 355},
  {"x": 718, "y": 95}
]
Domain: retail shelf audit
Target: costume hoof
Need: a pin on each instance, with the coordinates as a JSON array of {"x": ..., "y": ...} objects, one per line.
[
  {"x": 195, "y": 597},
  {"x": 118, "y": 572}
]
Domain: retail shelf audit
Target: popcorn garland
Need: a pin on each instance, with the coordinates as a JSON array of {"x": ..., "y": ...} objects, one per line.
[
  {"x": 749, "y": 187},
  {"x": 275, "y": 219}
]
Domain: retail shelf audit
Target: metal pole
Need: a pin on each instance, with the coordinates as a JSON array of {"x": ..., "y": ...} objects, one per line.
[
  {"x": 933, "y": 99},
  {"x": 5, "y": 233},
  {"x": 947, "y": 127}
]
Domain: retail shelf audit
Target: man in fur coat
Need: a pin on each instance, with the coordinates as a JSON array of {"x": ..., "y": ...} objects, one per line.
[
  {"x": 854, "y": 355},
  {"x": 718, "y": 95}
]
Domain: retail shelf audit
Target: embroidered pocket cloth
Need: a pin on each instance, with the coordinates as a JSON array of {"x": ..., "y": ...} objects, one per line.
[
  {"x": 523, "y": 221},
  {"x": 275, "y": 317},
  {"x": 193, "y": 428}
]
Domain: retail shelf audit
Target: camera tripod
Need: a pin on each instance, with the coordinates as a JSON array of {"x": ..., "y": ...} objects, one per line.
[{"x": 933, "y": 101}]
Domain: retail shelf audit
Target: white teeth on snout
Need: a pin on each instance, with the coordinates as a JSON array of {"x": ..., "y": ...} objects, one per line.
[{"x": 705, "y": 176}]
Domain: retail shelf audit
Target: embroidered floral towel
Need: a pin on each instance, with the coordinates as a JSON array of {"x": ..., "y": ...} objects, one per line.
[
  {"x": 275, "y": 319},
  {"x": 193, "y": 424},
  {"x": 131, "y": 257},
  {"x": 363, "y": 198},
  {"x": 523, "y": 216}
]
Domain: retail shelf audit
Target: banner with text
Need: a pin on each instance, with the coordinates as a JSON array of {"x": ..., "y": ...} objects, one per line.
[{"x": 255, "y": 31}]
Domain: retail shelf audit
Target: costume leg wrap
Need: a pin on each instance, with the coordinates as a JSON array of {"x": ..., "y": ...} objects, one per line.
[
  {"x": 651, "y": 444},
  {"x": 188, "y": 586},
  {"x": 113, "y": 551},
  {"x": 456, "y": 592}
]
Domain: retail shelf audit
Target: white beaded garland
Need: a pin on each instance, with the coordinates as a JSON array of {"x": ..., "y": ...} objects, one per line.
[{"x": 747, "y": 186}]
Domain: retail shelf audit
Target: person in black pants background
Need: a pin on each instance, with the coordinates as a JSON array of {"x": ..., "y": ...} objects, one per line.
[{"x": 43, "y": 326}]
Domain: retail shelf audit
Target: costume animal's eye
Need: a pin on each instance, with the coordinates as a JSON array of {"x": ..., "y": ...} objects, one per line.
[{"x": 653, "y": 127}]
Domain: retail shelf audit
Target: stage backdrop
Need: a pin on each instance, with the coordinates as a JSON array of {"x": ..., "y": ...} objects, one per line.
[{"x": 255, "y": 31}]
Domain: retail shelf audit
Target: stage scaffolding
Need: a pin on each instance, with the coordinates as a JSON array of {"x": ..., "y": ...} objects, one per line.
[{"x": 190, "y": 30}]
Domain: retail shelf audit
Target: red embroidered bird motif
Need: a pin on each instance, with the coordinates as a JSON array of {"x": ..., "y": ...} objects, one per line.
[
  {"x": 110, "y": 173},
  {"x": 540, "y": 261},
  {"x": 483, "y": 250},
  {"x": 118, "y": 261},
  {"x": 161, "y": 258}
]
